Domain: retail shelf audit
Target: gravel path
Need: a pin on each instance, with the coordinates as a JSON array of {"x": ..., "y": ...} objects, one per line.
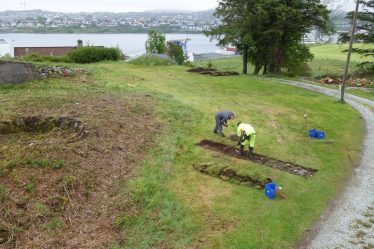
[{"x": 349, "y": 221}]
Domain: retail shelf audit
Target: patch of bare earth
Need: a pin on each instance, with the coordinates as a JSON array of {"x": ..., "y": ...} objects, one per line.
[
  {"x": 259, "y": 159},
  {"x": 60, "y": 189}
]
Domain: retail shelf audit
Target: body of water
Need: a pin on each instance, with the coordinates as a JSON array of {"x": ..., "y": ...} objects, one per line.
[{"x": 130, "y": 44}]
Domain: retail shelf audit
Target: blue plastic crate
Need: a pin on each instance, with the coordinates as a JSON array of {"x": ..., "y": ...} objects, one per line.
[{"x": 270, "y": 190}]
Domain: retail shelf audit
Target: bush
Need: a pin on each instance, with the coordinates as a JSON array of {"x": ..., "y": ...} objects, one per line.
[
  {"x": 153, "y": 60},
  {"x": 155, "y": 43},
  {"x": 35, "y": 57},
  {"x": 176, "y": 52},
  {"x": 296, "y": 61},
  {"x": 94, "y": 54}
]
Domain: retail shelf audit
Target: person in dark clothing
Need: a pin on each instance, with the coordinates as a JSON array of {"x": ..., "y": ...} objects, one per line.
[{"x": 221, "y": 119}]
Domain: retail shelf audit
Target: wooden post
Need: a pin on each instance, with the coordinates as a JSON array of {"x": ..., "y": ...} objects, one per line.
[{"x": 349, "y": 51}]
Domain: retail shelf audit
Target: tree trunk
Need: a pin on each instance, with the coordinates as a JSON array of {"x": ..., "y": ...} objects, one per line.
[
  {"x": 271, "y": 69},
  {"x": 265, "y": 70},
  {"x": 245, "y": 60},
  {"x": 257, "y": 68}
]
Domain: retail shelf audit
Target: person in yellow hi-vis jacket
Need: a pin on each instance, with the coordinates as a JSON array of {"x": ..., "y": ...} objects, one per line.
[{"x": 247, "y": 136}]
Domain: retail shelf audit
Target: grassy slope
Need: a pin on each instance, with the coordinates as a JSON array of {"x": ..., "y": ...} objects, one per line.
[
  {"x": 178, "y": 207},
  {"x": 328, "y": 59},
  {"x": 181, "y": 207}
]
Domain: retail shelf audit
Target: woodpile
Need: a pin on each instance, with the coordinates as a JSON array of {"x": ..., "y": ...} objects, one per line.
[{"x": 337, "y": 80}]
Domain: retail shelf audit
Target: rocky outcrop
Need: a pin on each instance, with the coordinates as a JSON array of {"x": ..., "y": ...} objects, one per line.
[
  {"x": 47, "y": 71},
  {"x": 17, "y": 72}
]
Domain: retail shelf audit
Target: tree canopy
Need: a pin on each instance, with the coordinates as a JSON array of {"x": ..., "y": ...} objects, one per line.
[
  {"x": 364, "y": 34},
  {"x": 269, "y": 32}
]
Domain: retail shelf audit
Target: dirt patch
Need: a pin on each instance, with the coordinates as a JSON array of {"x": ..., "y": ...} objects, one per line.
[
  {"x": 36, "y": 124},
  {"x": 229, "y": 174},
  {"x": 60, "y": 192},
  {"x": 260, "y": 159},
  {"x": 212, "y": 72}
]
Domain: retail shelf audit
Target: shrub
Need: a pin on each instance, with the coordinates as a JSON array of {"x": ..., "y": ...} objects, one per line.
[
  {"x": 153, "y": 60},
  {"x": 94, "y": 54},
  {"x": 35, "y": 57},
  {"x": 155, "y": 43},
  {"x": 176, "y": 52}
]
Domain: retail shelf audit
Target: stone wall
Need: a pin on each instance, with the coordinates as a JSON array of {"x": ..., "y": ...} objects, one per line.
[{"x": 17, "y": 72}]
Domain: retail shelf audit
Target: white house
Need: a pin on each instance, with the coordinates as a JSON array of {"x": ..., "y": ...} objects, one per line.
[{"x": 4, "y": 48}]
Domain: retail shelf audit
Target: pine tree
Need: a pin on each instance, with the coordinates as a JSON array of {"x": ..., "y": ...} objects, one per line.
[
  {"x": 269, "y": 32},
  {"x": 364, "y": 34}
]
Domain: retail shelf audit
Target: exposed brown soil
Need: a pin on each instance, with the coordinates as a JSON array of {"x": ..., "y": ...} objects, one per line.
[
  {"x": 260, "y": 159},
  {"x": 63, "y": 191},
  {"x": 212, "y": 72}
]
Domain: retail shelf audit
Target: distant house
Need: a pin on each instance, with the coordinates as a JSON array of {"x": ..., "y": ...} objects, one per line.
[
  {"x": 48, "y": 51},
  {"x": 4, "y": 48}
]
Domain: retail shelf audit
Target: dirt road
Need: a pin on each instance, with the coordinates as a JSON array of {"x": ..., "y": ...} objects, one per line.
[{"x": 349, "y": 220}]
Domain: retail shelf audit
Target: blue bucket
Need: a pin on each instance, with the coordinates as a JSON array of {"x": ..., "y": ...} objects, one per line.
[
  {"x": 321, "y": 135},
  {"x": 270, "y": 190},
  {"x": 317, "y": 134},
  {"x": 313, "y": 133}
]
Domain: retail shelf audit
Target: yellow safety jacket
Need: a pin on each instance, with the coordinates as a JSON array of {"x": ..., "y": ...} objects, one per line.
[{"x": 250, "y": 134}]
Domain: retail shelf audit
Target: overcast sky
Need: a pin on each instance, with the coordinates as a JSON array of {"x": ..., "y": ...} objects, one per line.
[{"x": 122, "y": 5}]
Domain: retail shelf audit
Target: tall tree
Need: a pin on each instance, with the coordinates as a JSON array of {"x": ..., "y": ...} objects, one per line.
[
  {"x": 269, "y": 32},
  {"x": 285, "y": 24},
  {"x": 364, "y": 34},
  {"x": 236, "y": 17}
]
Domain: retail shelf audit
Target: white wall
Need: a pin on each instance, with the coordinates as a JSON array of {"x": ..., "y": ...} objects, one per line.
[{"x": 5, "y": 49}]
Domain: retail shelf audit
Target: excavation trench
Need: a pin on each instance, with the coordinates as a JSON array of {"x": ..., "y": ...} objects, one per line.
[
  {"x": 259, "y": 159},
  {"x": 34, "y": 124},
  {"x": 211, "y": 72},
  {"x": 229, "y": 174}
]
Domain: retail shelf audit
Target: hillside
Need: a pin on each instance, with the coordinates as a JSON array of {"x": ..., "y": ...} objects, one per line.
[{"x": 130, "y": 182}]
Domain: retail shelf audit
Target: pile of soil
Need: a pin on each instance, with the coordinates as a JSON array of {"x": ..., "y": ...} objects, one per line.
[
  {"x": 212, "y": 72},
  {"x": 260, "y": 159},
  {"x": 229, "y": 174},
  {"x": 60, "y": 190},
  {"x": 337, "y": 80}
]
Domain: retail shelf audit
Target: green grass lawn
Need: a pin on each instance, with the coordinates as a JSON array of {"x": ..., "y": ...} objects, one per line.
[
  {"x": 328, "y": 59},
  {"x": 331, "y": 58},
  {"x": 183, "y": 208},
  {"x": 178, "y": 207}
]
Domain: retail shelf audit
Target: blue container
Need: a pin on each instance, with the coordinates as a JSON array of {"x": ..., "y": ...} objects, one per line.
[
  {"x": 321, "y": 135},
  {"x": 313, "y": 133},
  {"x": 270, "y": 190}
]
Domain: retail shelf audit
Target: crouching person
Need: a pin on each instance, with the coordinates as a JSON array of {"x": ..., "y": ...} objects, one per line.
[
  {"x": 221, "y": 120},
  {"x": 247, "y": 137}
]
